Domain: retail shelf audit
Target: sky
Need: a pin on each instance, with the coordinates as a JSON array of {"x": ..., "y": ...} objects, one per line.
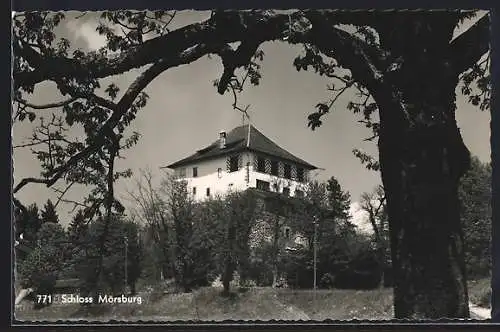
[{"x": 185, "y": 113}]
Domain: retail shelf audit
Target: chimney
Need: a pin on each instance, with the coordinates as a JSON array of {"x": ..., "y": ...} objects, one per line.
[{"x": 222, "y": 139}]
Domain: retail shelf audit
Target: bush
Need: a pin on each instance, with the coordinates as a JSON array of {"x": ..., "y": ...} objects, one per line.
[
  {"x": 327, "y": 281},
  {"x": 43, "y": 264},
  {"x": 475, "y": 213},
  {"x": 363, "y": 272}
]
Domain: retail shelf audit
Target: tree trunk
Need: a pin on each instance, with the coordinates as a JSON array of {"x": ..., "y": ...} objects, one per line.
[
  {"x": 276, "y": 238},
  {"x": 275, "y": 277},
  {"x": 227, "y": 276},
  {"x": 382, "y": 264},
  {"x": 422, "y": 158}
]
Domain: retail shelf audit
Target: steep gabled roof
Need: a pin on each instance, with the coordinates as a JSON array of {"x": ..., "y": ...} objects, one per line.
[{"x": 238, "y": 140}]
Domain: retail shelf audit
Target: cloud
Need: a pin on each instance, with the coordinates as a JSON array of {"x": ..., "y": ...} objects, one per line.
[
  {"x": 86, "y": 31},
  {"x": 359, "y": 218}
]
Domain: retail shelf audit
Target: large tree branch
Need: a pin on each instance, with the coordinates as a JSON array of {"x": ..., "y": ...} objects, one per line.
[
  {"x": 235, "y": 59},
  {"x": 221, "y": 28},
  {"x": 119, "y": 110},
  {"x": 468, "y": 48},
  {"x": 365, "y": 62},
  {"x": 169, "y": 45}
]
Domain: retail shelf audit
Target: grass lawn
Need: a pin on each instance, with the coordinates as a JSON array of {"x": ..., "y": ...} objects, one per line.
[
  {"x": 341, "y": 304},
  {"x": 207, "y": 304},
  {"x": 261, "y": 303}
]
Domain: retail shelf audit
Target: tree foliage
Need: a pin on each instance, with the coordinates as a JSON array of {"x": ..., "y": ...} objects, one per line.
[
  {"x": 475, "y": 197},
  {"x": 28, "y": 224},
  {"x": 49, "y": 214},
  {"x": 374, "y": 204},
  {"x": 121, "y": 245},
  {"x": 43, "y": 264}
]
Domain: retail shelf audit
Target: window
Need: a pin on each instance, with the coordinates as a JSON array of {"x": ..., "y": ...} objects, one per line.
[
  {"x": 287, "y": 171},
  {"x": 287, "y": 232},
  {"x": 261, "y": 165},
  {"x": 233, "y": 163},
  {"x": 299, "y": 193},
  {"x": 262, "y": 185},
  {"x": 182, "y": 172},
  {"x": 300, "y": 174},
  {"x": 286, "y": 191},
  {"x": 195, "y": 172},
  {"x": 219, "y": 172},
  {"x": 194, "y": 191},
  {"x": 208, "y": 192},
  {"x": 274, "y": 167}
]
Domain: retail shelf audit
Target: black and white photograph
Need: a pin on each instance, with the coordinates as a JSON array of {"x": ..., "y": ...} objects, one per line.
[{"x": 251, "y": 165}]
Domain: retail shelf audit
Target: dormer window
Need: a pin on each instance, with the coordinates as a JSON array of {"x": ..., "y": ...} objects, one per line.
[{"x": 222, "y": 139}]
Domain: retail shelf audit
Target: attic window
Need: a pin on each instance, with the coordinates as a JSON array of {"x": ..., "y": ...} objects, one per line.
[
  {"x": 300, "y": 174},
  {"x": 233, "y": 163},
  {"x": 287, "y": 171},
  {"x": 274, "y": 167},
  {"x": 195, "y": 172},
  {"x": 261, "y": 165}
]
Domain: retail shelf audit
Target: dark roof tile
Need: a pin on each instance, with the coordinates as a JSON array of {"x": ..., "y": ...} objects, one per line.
[{"x": 236, "y": 141}]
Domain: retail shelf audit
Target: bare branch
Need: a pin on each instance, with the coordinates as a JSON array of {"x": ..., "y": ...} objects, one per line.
[
  {"x": 25, "y": 181},
  {"x": 47, "y": 106},
  {"x": 118, "y": 111},
  {"x": 62, "y": 193}
]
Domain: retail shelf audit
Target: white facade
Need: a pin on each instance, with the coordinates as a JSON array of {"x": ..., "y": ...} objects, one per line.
[{"x": 214, "y": 178}]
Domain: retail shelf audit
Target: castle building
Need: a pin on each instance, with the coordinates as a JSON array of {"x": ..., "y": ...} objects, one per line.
[{"x": 241, "y": 159}]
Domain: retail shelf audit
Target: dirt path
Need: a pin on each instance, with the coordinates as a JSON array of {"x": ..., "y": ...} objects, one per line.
[{"x": 478, "y": 312}]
